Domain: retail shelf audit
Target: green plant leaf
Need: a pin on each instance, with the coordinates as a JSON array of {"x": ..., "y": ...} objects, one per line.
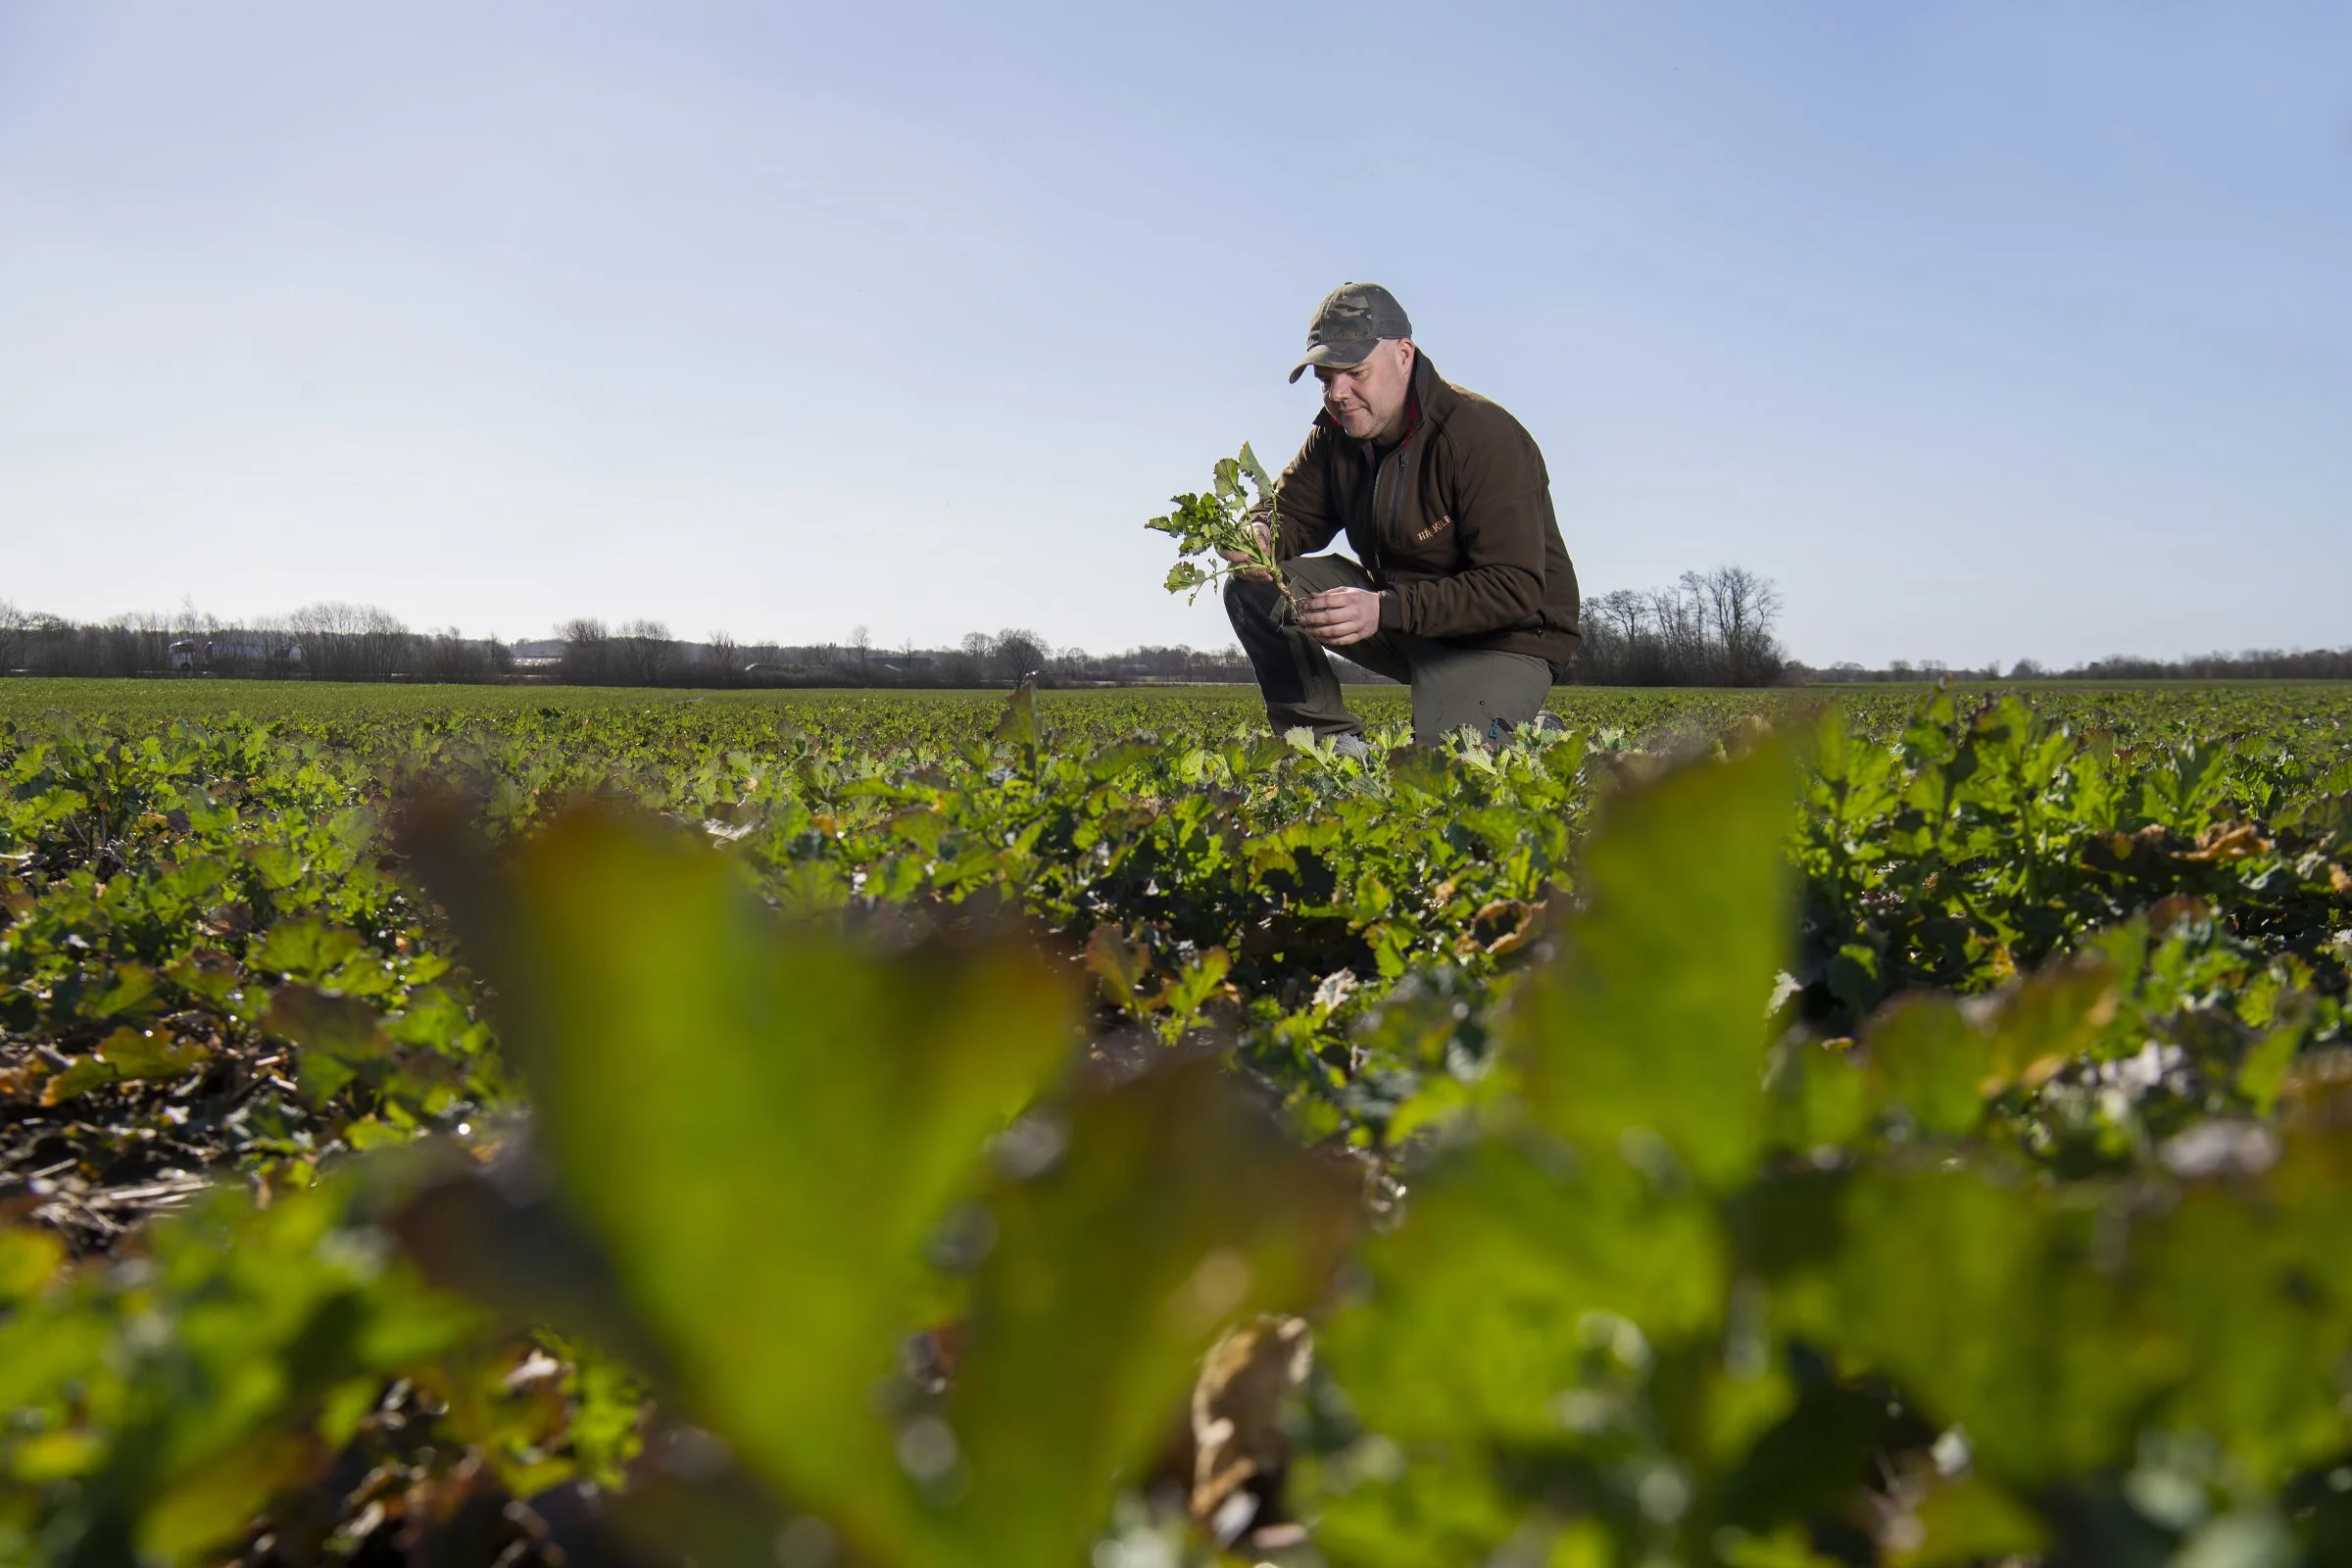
[
  {"x": 1971, "y": 1521},
  {"x": 1178, "y": 1209},
  {"x": 126, "y": 1055},
  {"x": 1472, "y": 1326},
  {"x": 1651, "y": 1020},
  {"x": 668, "y": 1027},
  {"x": 1017, "y": 723},
  {"x": 305, "y": 949}
]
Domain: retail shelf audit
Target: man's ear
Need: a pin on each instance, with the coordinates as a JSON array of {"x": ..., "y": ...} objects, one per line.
[{"x": 1410, "y": 353}]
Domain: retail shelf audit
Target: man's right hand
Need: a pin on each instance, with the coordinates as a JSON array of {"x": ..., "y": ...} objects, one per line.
[{"x": 1254, "y": 575}]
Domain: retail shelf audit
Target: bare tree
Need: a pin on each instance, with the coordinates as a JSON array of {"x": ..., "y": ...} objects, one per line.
[
  {"x": 271, "y": 642},
  {"x": 1621, "y": 610},
  {"x": 1016, "y": 655},
  {"x": 344, "y": 640},
  {"x": 862, "y": 644},
  {"x": 385, "y": 642},
  {"x": 1710, "y": 628},
  {"x": 725, "y": 658},
  {"x": 132, "y": 644},
  {"x": 329, "y": 633},
  {"x": 587, "y": 651},
  {"x": 1681, "y": 625},
  {"x": 1744, "y": 605},
  {"x": 52, "y": 646},
  {"x": 967, "y": 663},
  {"x": 645, "y": 653},
  {"x": 15, "y": 625},
  {"x": 448, "y": 654}
]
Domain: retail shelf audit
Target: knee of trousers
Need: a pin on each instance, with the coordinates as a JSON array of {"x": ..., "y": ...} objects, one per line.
[{"x": 1249, "y": 603}]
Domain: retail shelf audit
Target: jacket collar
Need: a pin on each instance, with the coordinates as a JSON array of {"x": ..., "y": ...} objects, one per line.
[
  {"x": 1431, "y": 400},
  {"x": 1431, "y": 391}
]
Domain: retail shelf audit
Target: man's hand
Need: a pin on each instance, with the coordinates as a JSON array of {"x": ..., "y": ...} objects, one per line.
[
  {"x": 1254, "y": 575},
  {"x": 1341, "y": 617}
]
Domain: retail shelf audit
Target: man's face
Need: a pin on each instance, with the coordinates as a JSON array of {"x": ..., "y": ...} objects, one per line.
[{"x": 1368, "y": 400}]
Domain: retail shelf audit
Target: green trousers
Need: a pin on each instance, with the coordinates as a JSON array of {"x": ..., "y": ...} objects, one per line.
[{"x": 1452, "y": 687}]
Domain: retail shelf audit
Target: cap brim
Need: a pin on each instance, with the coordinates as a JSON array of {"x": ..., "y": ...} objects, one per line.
[{"x": 1338, "y": 356}]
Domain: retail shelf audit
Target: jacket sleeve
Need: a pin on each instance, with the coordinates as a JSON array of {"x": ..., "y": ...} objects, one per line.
[
  {"x": 1501, "y": 505},
  {"x": 1305, "y": 521}
]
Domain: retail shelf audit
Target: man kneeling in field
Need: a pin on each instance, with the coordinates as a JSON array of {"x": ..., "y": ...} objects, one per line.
[{"x": 1464, "y": 589}]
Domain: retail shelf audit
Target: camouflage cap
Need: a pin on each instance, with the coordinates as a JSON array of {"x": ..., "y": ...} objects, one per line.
[{"x": 1350, "y": 320}]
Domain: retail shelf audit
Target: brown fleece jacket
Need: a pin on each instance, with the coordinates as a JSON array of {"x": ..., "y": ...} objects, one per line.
[{"x": 1455, "y": 525}]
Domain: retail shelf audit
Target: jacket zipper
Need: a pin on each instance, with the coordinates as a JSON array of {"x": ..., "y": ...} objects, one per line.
[
  {"x": 1397, "y": 492},
  {"x": 1395, "y": 500}
]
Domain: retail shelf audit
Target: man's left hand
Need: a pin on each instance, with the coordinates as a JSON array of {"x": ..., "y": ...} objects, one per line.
[{"x": 1339, "y": 617}]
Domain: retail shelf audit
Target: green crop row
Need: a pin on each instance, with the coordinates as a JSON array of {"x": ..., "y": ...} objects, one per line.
[{"x": 1740, "y": 1130}]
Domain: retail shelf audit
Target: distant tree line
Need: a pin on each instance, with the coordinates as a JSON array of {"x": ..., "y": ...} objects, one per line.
[
  {"x": 642, "y": 652},
  {"x": 1710, "y": 628},
  {"x": 1713, "y": 628},
  {"x": 2254, "y": 664},
  {"x": 360, "y": 642},
  {"x": 330, "y": 641},
  {"x": 2258, "y": 663},
  {"x": 1848, "y": 673}
]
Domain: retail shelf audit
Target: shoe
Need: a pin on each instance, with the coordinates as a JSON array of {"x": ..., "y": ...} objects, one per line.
[{"x": 1546, "y": 722}]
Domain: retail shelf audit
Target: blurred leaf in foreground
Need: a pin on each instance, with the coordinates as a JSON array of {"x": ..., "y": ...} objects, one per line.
[
  {"x": 762, "y": 1129},
  {"x": 1534, "y": 1290},
  {"x": 1651, "y": 1022},
  {"x": 1178, "y": 1208},
  {"x": 158, "y": 1446}
]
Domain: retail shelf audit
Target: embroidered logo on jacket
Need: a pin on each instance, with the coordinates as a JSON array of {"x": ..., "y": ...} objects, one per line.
[{"x": 1432, "y": 530}]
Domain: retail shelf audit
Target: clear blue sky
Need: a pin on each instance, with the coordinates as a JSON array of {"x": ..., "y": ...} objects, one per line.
[{"x": 1989, "y": 328}]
